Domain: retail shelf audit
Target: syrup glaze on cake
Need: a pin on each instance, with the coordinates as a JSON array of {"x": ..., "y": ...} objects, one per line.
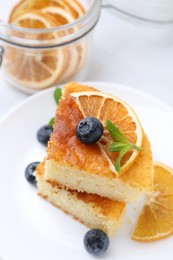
[{"x": 81, "y": 167}]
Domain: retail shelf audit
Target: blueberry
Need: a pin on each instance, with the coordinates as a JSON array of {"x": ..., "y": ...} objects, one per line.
[
  {"x": 96, "y": 242},
  {"x": 43, "y": 134},
  {"x": 89, "y": 130},
  {"x": 29, "y": 172}
]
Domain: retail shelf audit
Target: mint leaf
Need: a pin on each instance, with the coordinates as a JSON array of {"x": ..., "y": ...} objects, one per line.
[
  {"x": 57, "y": 95},
  {"x": 116, "y": 147},
  {"x": 115, "y": 133},
  {"x": 51, "y": 122},
  {"x": 121, "y": 144},
  {"x": 121, "y": 154}
]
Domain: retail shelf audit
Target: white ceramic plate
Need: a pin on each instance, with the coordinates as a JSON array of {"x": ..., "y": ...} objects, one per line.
[{"x": 31, "y": 228}]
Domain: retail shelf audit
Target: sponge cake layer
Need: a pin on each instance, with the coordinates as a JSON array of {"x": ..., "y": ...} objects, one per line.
[{"x": 92, "y": 210}]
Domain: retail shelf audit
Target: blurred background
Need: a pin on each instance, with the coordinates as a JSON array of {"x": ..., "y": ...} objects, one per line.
[{"x": 136, "y": 52}]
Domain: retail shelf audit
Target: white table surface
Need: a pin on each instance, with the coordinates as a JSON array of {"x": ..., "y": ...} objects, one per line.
[{"x": 127, "y": 52}]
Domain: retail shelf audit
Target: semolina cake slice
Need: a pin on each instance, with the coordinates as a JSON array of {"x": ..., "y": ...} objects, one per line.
[
  {"x": 85, "y": 168},
  {"x": 90, "y": 209}
]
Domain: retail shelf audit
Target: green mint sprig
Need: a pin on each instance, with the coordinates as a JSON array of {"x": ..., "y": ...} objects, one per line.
[
  {"x": 51, "y": 122},
  {"x": 120, "y": 143},
  {"x": 57, "y": 95}
]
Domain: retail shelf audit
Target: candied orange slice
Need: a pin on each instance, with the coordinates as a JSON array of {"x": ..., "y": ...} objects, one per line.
[
  {"x": 104, "y": 106},
  {"x": 156, "y": 219}
]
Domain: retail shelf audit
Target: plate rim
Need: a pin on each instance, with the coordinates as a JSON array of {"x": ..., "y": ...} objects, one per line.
[{"x": 124, "y": 87}]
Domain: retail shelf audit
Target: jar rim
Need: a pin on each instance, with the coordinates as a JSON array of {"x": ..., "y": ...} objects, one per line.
[
  {"x": 68, "y": 26},
  {"x": 84, "y": 25}
]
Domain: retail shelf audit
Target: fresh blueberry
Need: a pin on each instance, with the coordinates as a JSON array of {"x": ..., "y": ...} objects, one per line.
[
  {"x": 43, "y": 134},
  {"x": 29, "y": 172},
  {"x": 89, "y": 130},
  {"x": 96, "y": 242}
]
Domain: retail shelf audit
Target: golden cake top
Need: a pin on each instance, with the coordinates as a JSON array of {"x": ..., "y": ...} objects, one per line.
[{"x": 67, "y": 150}]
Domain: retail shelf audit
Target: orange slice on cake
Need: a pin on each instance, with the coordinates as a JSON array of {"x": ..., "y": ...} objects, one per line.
[
  {"x": 105, "y": 106},
  {"x": 156, "y": 219}
]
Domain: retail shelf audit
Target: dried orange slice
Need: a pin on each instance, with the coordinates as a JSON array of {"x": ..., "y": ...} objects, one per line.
[
  {"x": 76, "y": 52},
  {"x": 156, "y": 219},
  {"x": 61, "y": 15},
  {"x": 72, "y": 64},
  {"x": 81, "y": 48},
  {"x": 76, "y": 7},
  {"x": 72, "y": 53},
  {"x": 104, "y": 106},
  {"x": 36, "y": 20},
  {"x": 25, "y": 5},
  {"x": 35, "y": 68}
]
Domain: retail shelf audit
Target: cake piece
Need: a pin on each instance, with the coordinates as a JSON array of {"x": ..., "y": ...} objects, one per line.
[
  {"x": 85, "y": 168},
  {"x": 92, "y": 210}
]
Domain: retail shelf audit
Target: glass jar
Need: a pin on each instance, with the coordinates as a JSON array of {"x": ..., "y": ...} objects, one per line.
[
  {"x": 153, "y": 11},
  {"x": 35, "y": 59}
]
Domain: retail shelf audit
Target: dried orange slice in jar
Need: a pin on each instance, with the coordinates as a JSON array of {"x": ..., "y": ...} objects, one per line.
[
  {"x": 82, "y": 53},
  {"x": 57, "y": 13},
  {"x": 35, "y": 19},
  {"x": 35, "y": 69},
  {"x": 73, "y": 55},
  {"x": 72, "y": 7},
  {"x": 76, "y": 8},
  {"x": 156, "y": 219},
  {"x": 26, "y": 5},
  {"x": 61, "y": 15},
  {"x": 104, "y": 106}
]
